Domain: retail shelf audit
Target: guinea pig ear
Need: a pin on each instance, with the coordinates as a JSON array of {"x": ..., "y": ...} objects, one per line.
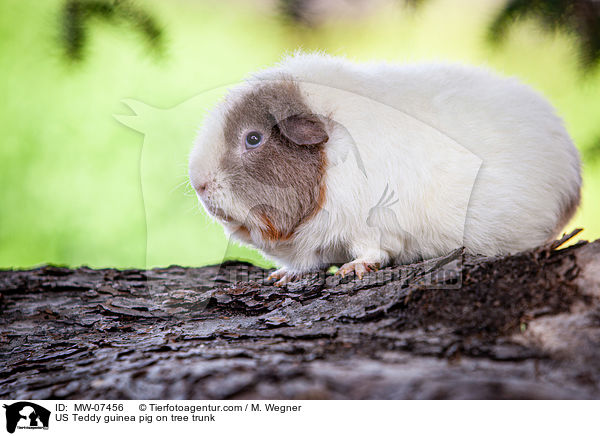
[{"x": 303, "y": 130}]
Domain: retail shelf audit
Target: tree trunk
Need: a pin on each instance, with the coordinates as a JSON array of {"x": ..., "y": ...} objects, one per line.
[{"x": 522, "y": 326}]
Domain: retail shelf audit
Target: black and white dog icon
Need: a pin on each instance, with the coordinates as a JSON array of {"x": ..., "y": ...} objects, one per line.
[{"x": 25, "y": 414}]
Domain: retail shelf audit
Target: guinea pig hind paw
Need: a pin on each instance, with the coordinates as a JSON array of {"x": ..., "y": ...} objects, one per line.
[{"x": 358, "y": 267}]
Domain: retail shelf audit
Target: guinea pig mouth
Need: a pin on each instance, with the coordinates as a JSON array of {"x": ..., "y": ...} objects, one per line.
[{"x": 217, "y": 212}]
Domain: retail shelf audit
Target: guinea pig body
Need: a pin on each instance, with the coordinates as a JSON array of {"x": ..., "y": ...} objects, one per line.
[{"x": 319, "y": 161}]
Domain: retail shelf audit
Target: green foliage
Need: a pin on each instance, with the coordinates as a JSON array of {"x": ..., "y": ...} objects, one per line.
[
  {"x": 77, "y": 15},
  {"x": 582, "y": 17},
  {"x": 78, "y": 187}
]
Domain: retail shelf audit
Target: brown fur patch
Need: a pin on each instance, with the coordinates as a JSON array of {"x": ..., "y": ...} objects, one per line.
[
  {"x": 270, "y": 232},
  {"x": 322, "y": 193},
  {"x": 280, "y": 182}
]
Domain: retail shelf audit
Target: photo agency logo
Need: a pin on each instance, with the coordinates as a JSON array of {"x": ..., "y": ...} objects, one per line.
[
  {"x": 25, "y": 415},
  {"x": 313, "y": 198}
]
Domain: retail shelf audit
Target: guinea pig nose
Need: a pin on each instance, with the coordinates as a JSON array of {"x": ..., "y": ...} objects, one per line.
[{"x": 201, "y": 187}]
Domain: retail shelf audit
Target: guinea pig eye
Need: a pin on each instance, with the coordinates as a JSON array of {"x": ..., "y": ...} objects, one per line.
[{"x": 253, "y": 139}]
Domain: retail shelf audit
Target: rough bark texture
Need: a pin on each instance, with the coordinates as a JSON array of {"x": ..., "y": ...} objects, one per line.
[{"x": 523, "y": 326}]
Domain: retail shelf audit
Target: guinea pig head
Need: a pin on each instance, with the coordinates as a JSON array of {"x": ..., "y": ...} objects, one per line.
[{"x": 259, "y": 160}]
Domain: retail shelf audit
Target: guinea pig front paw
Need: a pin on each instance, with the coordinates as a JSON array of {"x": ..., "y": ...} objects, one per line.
[
  {"x": 283, "y": 277},
  {"x": 358, "y": 267}
]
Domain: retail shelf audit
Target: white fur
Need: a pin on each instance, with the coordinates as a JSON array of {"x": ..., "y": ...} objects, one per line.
[{"x": 464, "y": 157}]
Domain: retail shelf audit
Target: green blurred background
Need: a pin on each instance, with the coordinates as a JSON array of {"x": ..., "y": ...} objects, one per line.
[{"x": 80, "y": 187}]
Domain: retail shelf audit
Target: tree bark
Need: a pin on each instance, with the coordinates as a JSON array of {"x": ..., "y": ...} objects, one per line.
[{"x": 461, "y": 326}]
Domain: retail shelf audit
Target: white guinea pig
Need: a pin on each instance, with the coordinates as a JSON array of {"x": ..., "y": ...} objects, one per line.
[{"x": 320, "y": 160}]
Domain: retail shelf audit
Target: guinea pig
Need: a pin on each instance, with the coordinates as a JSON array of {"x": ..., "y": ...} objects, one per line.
[{"x": 320, "y": 161}]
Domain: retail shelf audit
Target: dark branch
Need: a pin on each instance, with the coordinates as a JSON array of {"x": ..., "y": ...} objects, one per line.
[{"x": 523, "y": 326}]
